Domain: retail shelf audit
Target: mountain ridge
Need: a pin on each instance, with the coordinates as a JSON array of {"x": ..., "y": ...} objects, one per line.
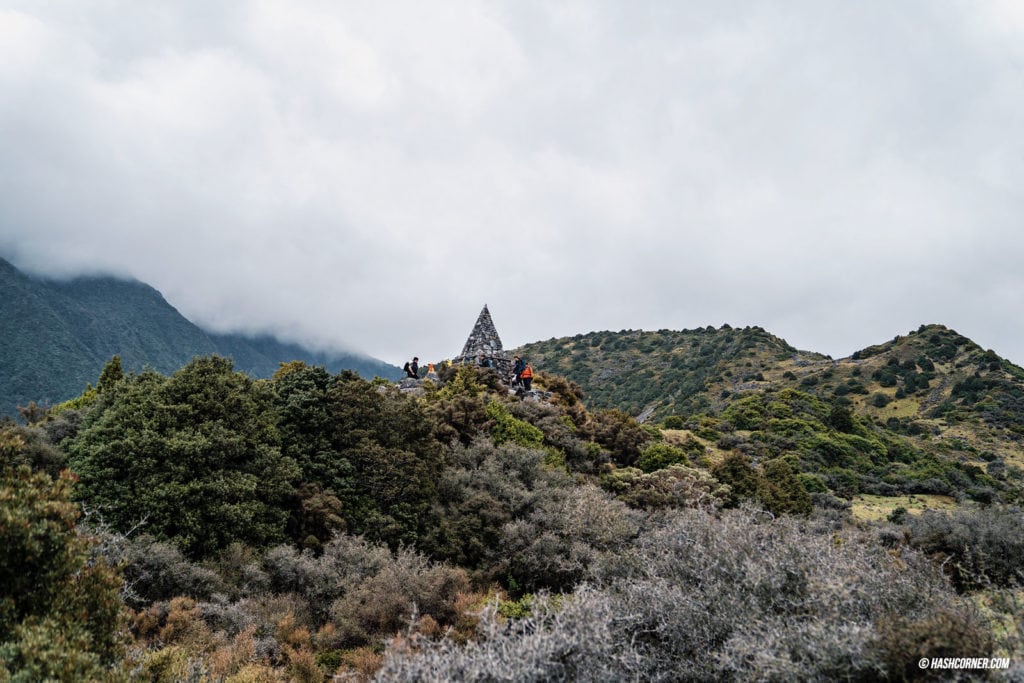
[{"x": 56, "y": 336}]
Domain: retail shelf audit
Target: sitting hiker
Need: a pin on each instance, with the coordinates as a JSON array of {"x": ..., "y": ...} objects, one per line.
[
  {"x": 412, "y": 369},
  {"x": 484, "y": 362}
]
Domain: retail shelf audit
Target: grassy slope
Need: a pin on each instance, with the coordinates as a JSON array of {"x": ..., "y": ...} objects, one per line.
[
  {"x": 660, "y": 373},
  {"x": 933, "y": 390}
]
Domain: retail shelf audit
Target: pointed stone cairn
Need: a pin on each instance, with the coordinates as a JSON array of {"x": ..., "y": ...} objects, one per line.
[{"x": 484, "y": 339}]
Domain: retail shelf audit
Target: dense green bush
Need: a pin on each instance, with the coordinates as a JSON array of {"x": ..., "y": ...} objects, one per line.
[
  {"x": 194, "y": 456},
  {"x": 348, "y": 437},
  {"x": 880, "y": 399},
  {"x": 658, "y": 455},
  {"x": 61, "y": 617},
  {"x": 619, "y": 433},
  {"x": 673, "y": 422},
  {"x": 505, "y": 427}
]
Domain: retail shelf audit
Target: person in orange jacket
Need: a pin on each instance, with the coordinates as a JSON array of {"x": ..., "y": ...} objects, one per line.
[{"x": 526, "y": 376}]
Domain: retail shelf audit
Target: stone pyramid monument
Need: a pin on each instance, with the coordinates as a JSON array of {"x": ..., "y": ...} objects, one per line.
[{"x": 484, "y": 339}]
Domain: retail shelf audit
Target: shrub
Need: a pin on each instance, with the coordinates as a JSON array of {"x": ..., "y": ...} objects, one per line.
[
  {"x": 506, "y": 428},
  {"x": 781, "y": 490},
  {"x": 673, "y": 422},
  {"x": 674, "y": 486},
  {"x": 623, "y": 436},
  {"x": 977, "y": 548},
  {"x": 555, "y": 546},
  {"x": 880, "y": 400},
  {"x": 733, "y": 596},
  {"x": 482, "y": 489},
  {"x": 557, "y": 641},
  {"x": 60, "y": 613},
  {"x": 29, "y": 446},
  {"x": 901, "y": 642},
  {"x": 363, "y": 590},
  {"x": 346, "y": 561},
  {"x": 408, "y": 585},
  {"x": 195, "y": 455},
  {"x": 156, "y": 570},
  {"x": 737, "y": 472},
  {"x": 656, "y": 456}
]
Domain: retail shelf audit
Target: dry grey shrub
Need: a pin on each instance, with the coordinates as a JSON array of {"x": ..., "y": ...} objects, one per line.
[
  {"x": 345, "y": 562},
  {"x": 156, "y": 570},
  {"x": 732, "y": 596},
  {"x": 982, "y": 547},
  {"x": 364, "y": 589},
  {"x": 384, "y": 602},
  {"x": 577, "y": 639},
  {"x": 483, "y": 488},
  {"x": 677, "y": 486},
  {"x": 555, "y": 546},
  {"x": 221, "y": 614}
]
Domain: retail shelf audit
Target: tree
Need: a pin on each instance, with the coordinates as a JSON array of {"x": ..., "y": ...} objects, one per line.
[
  {"x": 111, "y": 375},
  {"x": 61, "y": 616},
  {"x": 372, "y": 450},
  {"x": 195, "y": 456}
]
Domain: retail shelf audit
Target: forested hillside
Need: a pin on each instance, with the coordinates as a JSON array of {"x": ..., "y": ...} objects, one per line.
[
  {"x": 208, "y": 525},
  {"x": 56, "y": 336}
]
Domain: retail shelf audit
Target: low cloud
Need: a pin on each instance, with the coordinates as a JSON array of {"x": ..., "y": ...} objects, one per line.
[{"x": 368, "y": 177}]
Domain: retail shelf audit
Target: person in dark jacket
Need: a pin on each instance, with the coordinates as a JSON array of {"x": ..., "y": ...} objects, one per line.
[
  {"x": 413, "y": 369},
  {"x": 517, "y": 370}
]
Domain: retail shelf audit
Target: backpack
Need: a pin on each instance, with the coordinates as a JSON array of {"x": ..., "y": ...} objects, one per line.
[{"x": 527, "y": 372}]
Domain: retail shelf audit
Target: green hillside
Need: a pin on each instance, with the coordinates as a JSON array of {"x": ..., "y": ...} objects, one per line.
[
  {"x": 55, "y": 337},
  {"x": 930, "y": 412},
  {"x": 656, "y": 374}
]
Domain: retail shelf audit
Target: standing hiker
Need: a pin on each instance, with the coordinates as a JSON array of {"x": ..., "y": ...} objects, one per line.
[
  {"x": 517, "y": 369},
  {"x": 526, "y": 376}
]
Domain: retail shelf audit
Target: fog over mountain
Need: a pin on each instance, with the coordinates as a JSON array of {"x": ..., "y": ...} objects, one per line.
[{"x": 366, "y": 177}]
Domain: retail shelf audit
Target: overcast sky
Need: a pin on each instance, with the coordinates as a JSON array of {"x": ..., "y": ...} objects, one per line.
[{"x": 368, "y": 175}]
